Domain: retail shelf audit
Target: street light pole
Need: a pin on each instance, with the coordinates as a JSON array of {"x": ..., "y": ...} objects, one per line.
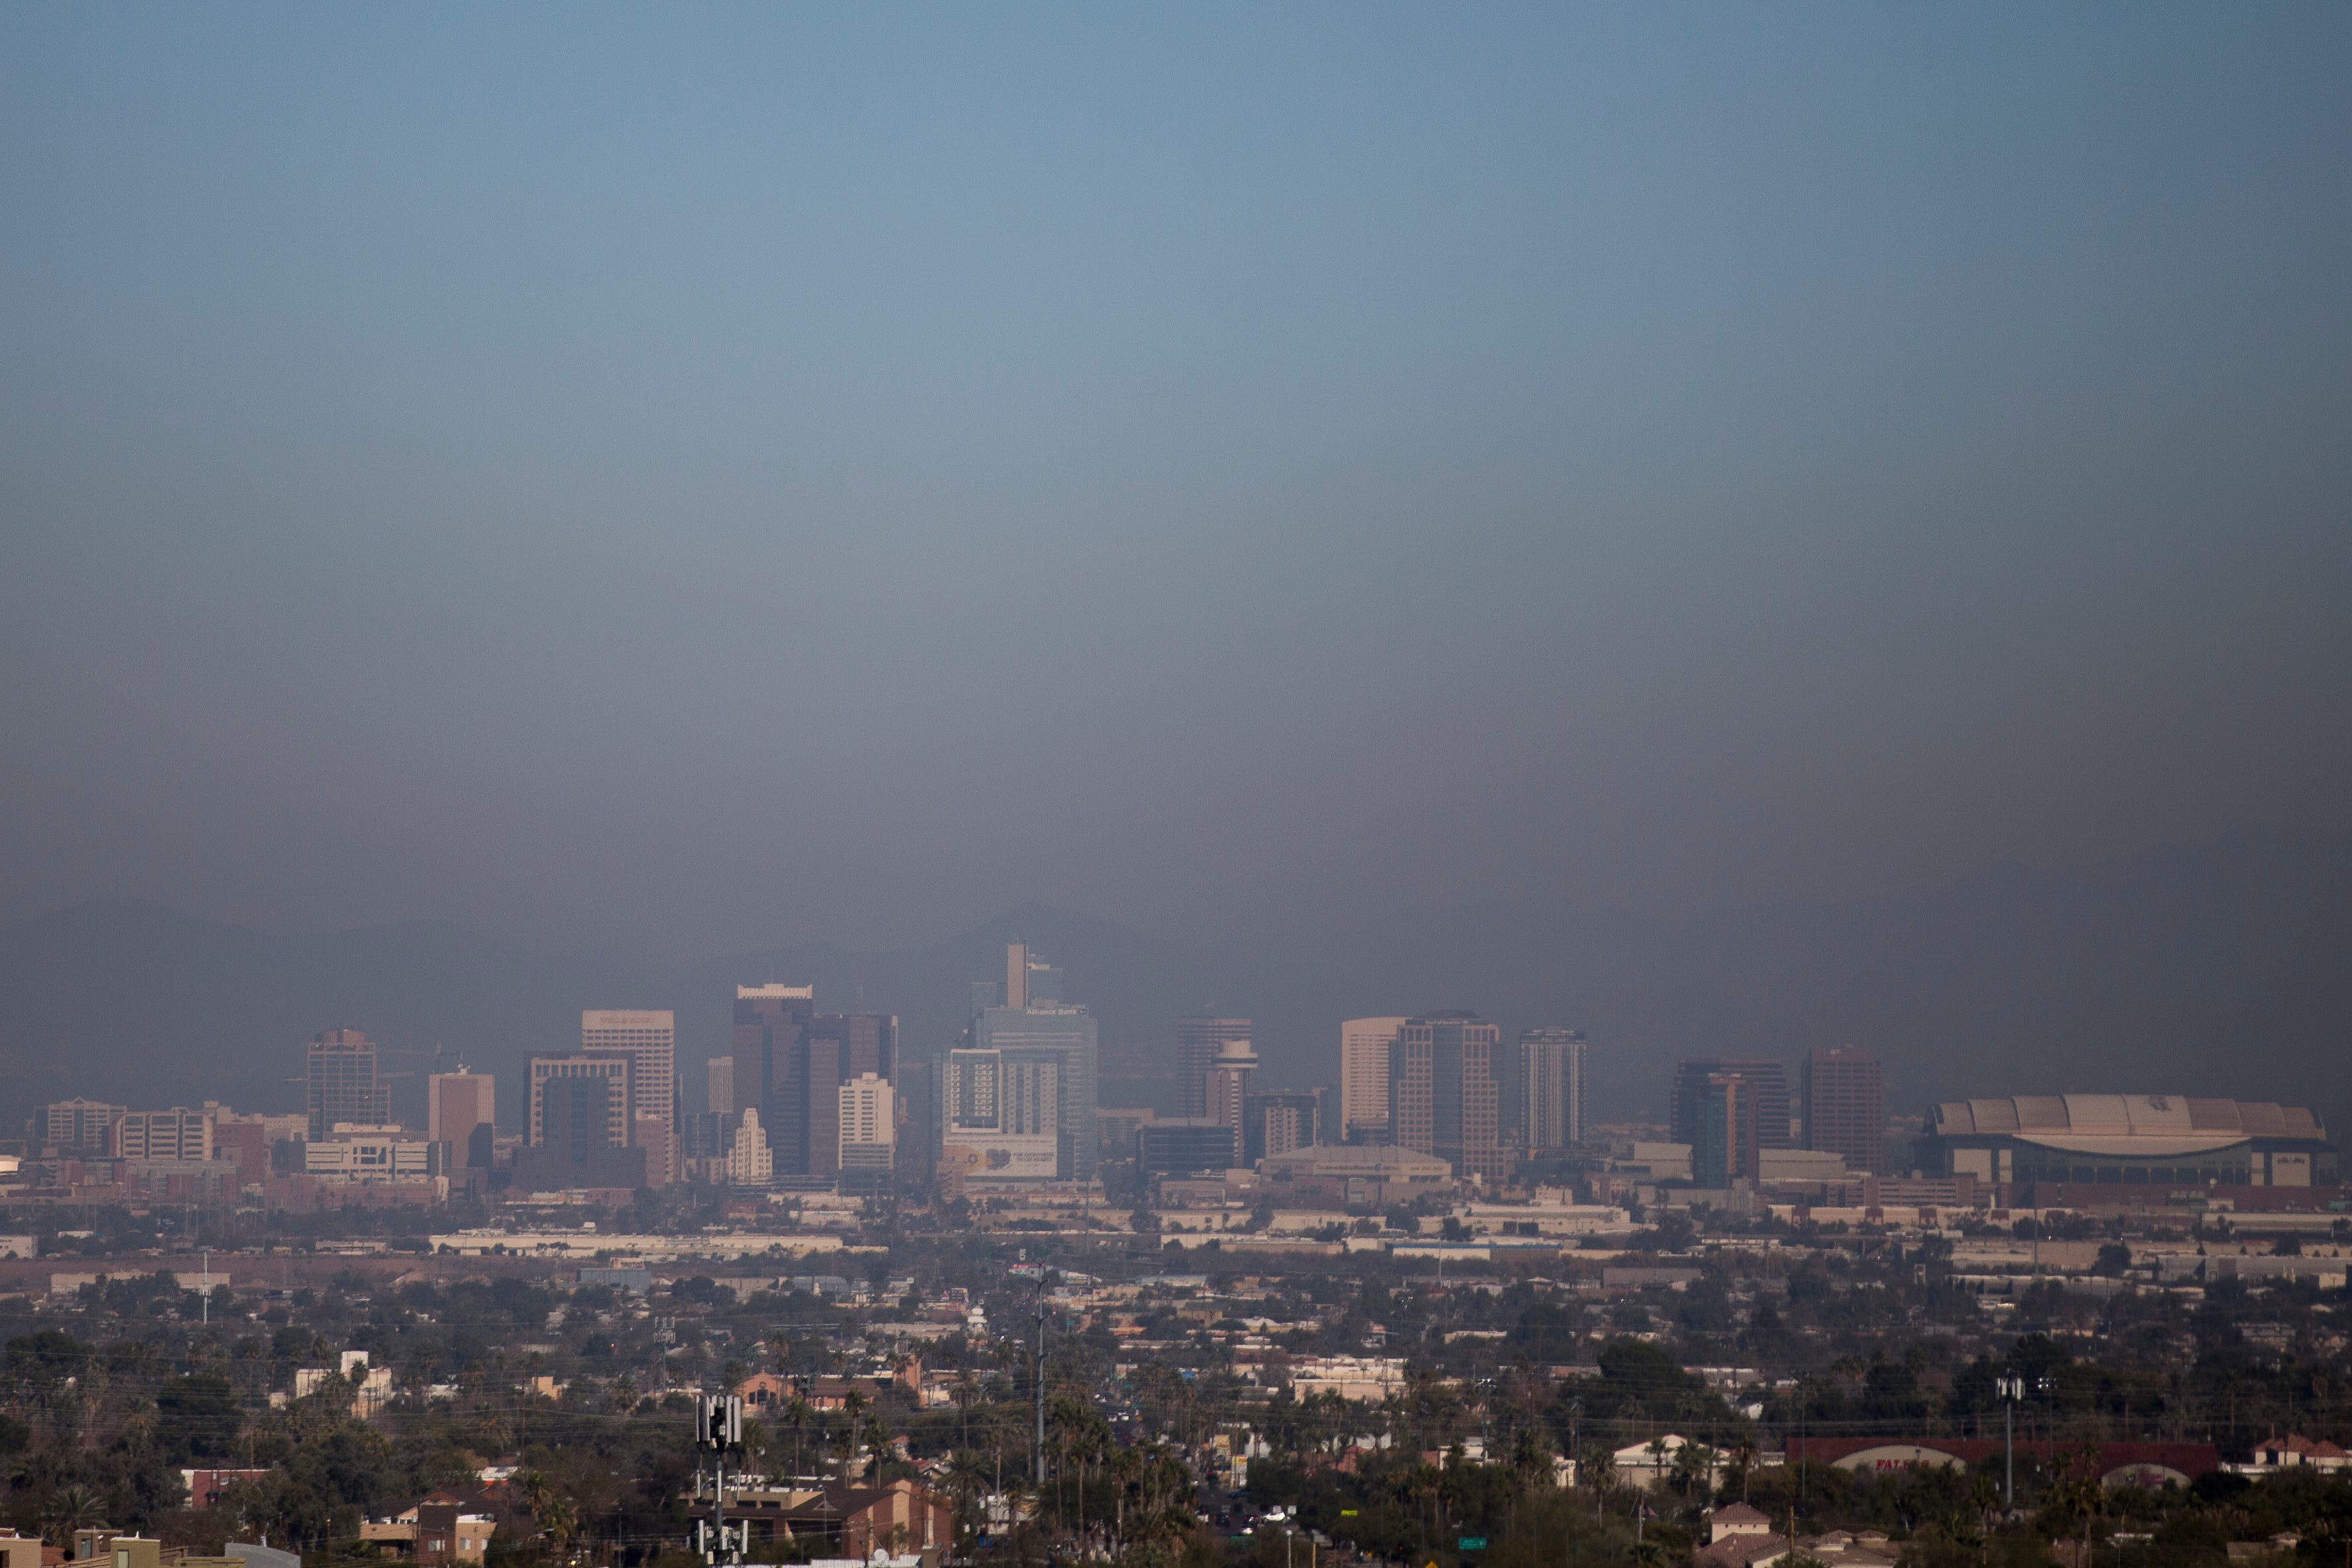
[
  {"x": 1575, "y": 1462},
  {"x": 1040, "y": 1399}
]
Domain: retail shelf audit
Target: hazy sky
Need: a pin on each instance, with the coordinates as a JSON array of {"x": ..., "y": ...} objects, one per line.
[{"x": 670, "y": 478}]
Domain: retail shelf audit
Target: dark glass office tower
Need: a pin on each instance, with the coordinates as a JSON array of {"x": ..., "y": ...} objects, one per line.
[{"x": 771, "y": 1025}]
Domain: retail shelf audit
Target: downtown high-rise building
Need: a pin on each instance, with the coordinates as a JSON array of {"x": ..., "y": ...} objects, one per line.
[
  {"x": 1727, "y": 1131},
  {"x": 1552, "y": 1088},
  {"x": 1845, "y": 1106},
  {"x": 841, "y": 1047},
  {"x": 1771, "y": 1083},
  {"x": 1060, "y": 1037},
  {"x": 649, "y": 1039},
  {"x": 1029, "y": 981},
  {"x": 80, "y": 1126},
  {"x": 869, "y": 1133},
  {"x": 772, "y": 1024},
  {"x": 1016, "y": 1097},
  {"x": 461, "y": 1110},
  {"x": 1227, "y": 1088},
  {"x": 1277, "y": 1121},
  {"x": 580, "y": 1105},
  {"x": 1198, "y": 1039},
  {"x": 1364, "y": 1047},
  {"x": 342, "y": 1082},
  {"x": 1443, "y": 1094},
  {"x": 178, "y": 1134}
]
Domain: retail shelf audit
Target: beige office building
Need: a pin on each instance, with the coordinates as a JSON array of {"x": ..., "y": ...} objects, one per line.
[
  {"x": 178, "y": 1134},
  {"x": 869, "y": 1125},
  {"x": 649, "y": 1040},
  {"x": 1364, "y": 1079},
  {"x": 456, "y": 1104}
]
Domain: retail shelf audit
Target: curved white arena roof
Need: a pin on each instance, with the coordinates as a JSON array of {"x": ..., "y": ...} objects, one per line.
[{"x": 2132, "y": 1122}]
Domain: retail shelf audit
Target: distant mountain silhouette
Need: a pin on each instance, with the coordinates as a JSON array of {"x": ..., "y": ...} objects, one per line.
[
  {"x": 2214, "y": 968},
  {"x": 145, "y": 1006}
]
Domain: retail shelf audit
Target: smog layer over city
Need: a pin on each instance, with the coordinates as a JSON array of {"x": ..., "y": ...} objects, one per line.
[{"x": 1191, "y": 785}]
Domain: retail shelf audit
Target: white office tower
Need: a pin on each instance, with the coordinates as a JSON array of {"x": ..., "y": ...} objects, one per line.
[
  {"x": 721, "y": 1095},
  {"x": 749, "y": 1163},
  {"x": 1364, "y": 1078},
  {"x": 649, "y": 1040},
  {"x": 1551, "y": 1087}
]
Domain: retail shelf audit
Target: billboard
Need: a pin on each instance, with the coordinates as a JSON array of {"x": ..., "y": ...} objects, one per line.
[{"x": 1001, "y": 1157}]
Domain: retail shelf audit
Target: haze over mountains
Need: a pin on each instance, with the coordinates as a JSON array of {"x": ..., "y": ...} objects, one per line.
[{"x": 2216, "y": 968}]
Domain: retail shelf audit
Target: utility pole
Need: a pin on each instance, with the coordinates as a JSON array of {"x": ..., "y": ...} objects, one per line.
[
  {"x": 1041, "y": 1389},
  {"x": 207, "y": 1254},
  {"x": 1575, "y": 1461}
]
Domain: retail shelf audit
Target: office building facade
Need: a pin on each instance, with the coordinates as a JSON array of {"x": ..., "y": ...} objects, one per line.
[
  {"x": 77, "y": 1126},
  {"x": 1771, "y": 1084},
  {"x": 178, "y": 1134},
  {"x": 1552, "y": 1088},
  {"x": 1728, "y": 1137},
  {"x": 869, "y": 1133},
  {"x": 749, "y": 1162},
  {"x": 1845, "y": 1106},
  {"x": 772, "y": 1024},
  {"x": 1443, "y": 1097},
  {"x": 461, "y": 1110},
  {"x": 1278, "y": 1122},
  {"x": 1016, "y": 1098},
  {"x": 1226, "y": 1084},
  {"x": 1002, "y": 1121},
  {"x": 1364, "y": 1089},
  {"x": 649, "y": 1039},
  {"x": 841, "y": 1049},
  {"x": 1029, "y": 981},
  {"x": 343, "y": 1084},
  {"x": 580, "y": 1105},
  {"x": 1184, "y": 1145},
  {"x": 1053, "y": 1043},
  {"x": 1199, "y": 1042}
]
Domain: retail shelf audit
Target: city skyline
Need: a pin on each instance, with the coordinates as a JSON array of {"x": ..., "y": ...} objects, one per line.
[{"x": 722, "y": 836}]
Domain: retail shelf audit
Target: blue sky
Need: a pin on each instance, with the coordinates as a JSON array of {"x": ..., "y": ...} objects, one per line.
[{"x": 673, "y": 478}]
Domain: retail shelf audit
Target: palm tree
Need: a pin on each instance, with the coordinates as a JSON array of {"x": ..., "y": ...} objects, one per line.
[
  {"x": 853, "y": 1404},
  {"x": 1601, "y": 1467},
  {"x": 797, "y": 1412},
  {"x": 1126, "y": 1471},
  {"x": 70, "y": 1508},
  {"x": 560, "y": 1522},
  {"x": 967, "y": 1479},
  {"x": 967, "y": 1389}
]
